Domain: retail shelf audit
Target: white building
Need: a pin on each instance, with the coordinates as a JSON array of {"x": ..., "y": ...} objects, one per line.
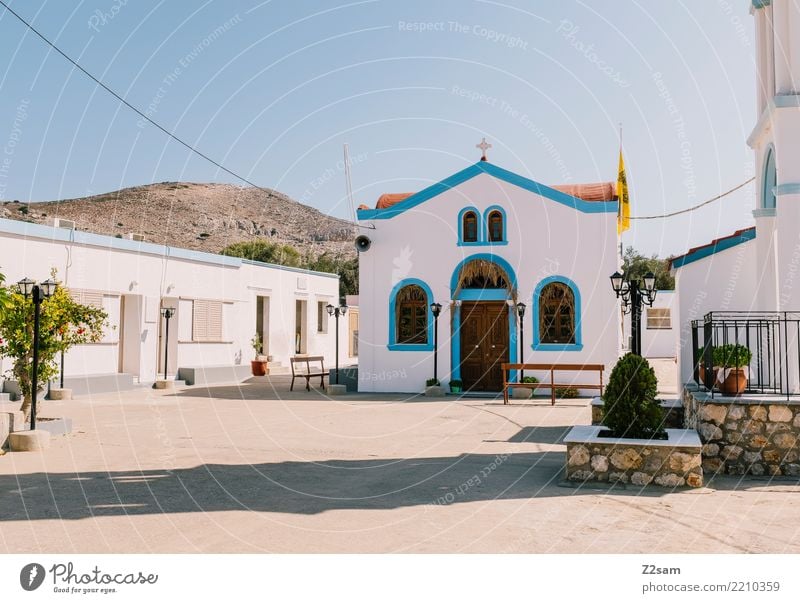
[
  {"x": 659, "y": 331},
  {"x": 755, "y": 269},
  {"x": 220, "y": 303},
  {"x": 477, "y": 243}
]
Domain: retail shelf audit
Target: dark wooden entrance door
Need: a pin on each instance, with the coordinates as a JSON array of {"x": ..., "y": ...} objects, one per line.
[{"x": 484, "y": 345}]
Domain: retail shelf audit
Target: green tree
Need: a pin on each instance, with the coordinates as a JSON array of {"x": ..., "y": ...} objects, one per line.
[
  {"x": 261, "y": 250},
  {"x": 630, "y": 408},
  {"x": 63, "y": 323},
  {"x": 635, "y": 265}
]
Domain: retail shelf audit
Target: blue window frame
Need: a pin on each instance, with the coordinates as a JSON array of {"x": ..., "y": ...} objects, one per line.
[
  {"x": 495, "y": 225},
  {"x": 469, "y": 227},
  {"x": 561, "y": 317},
  {"x": 411, "y": 321},
  {"x": 770, "y": 180}
]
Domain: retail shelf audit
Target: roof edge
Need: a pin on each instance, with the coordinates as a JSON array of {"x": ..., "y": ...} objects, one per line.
[{"x": 717, "y": 245}]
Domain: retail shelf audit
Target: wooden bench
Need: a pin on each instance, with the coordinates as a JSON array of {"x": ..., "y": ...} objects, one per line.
[
  {"x": 309, "y": 372},
  {"x": 552, "y": 369}
]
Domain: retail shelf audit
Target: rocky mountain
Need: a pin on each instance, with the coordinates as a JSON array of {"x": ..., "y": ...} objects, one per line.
[{"x": 206, "y": 217}]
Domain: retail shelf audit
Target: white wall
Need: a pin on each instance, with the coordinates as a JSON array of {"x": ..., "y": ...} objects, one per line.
[
  {"x": 146, "y": 273},
  {"x": 724, "y": 281},
  {"x": 544, "y": 238},
  {"x": 657, "y": 343}
]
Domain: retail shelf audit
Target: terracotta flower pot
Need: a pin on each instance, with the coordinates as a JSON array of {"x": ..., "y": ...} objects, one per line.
[
  {"x": 735, "y": 383},
  {"x": 258, "y": 368}
]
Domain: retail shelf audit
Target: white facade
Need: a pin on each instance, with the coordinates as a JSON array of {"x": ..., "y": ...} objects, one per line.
[
  {"x": 756, "y": 269},
  {"x": 659, "y": 327},
  {"x": 549, "y": 236},
  {"x": 216, "y": 300}
]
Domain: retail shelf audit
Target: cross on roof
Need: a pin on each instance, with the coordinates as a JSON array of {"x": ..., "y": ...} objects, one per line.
[{"x": 483, "y": 146}]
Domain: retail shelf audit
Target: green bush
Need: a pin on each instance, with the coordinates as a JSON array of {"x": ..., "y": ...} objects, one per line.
[
  {"x": 566, "y": 392},
  {"x": 431, "y": 382},
  {"x": 732, "y": 356},
  {"x": 530, "y": 380},
  {"x": 630, "y": 408}
]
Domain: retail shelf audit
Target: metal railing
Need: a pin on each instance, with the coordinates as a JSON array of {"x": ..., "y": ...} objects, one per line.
[{"x": 773, "y": 339}]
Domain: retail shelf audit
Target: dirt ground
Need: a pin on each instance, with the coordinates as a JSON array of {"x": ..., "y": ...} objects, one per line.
[{"x": 253, "y": 468}]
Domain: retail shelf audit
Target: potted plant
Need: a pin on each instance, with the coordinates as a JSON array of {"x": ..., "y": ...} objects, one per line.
[
  {"x": 630, "y": 408},
  {"x": 456, "y": 385},
  {"x": 732, "y": 358},
  {"x": 701, "y": 368},
  {"x": 525, "y": 392},
  {"x": 433, "y": 388},
  {"x": 259, "y": 365}
]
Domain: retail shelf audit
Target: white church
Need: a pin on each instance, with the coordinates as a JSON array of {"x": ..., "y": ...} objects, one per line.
[
  {"x": 750, "y": 276},
  {"x": 483, "y": 242}
]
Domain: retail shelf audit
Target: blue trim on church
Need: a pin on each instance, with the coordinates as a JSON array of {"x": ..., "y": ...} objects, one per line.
[
  {"x": 537, "y": 336},
  {"x": 409, "y": 347},
  {"x": 705, "y": 251},
  {"x": 484, "y": 167}
]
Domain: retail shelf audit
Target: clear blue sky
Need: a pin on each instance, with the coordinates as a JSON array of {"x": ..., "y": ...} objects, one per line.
[{"x": 411, "y": 85}]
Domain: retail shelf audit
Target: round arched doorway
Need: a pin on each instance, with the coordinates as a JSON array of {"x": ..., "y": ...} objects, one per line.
[{"x": 484, "y": 325}]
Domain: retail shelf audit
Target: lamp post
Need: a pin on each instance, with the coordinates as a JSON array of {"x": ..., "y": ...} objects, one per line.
[
  {"x": 39, "y": 292},
  {"x": 521, "y": 311},
  {"x": 436, "y": 309},
  {"x": 634, "y": 295},
  {"x": 337, "y": 311},
  {"x": 167, "y": 313}
]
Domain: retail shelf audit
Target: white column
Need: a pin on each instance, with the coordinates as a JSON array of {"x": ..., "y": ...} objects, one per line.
[{"x": 781, "y": 46}]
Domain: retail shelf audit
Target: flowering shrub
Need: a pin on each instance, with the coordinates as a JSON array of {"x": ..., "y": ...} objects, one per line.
[{"x": 63, "y": 323}]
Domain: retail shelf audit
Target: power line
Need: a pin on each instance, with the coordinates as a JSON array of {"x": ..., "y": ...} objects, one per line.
[
  {"x": 690, "y": 209},
  {"x": 130, "y": 106}
]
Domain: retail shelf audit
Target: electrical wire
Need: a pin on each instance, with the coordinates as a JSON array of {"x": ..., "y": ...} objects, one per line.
[{"x": 690, "y": 209}]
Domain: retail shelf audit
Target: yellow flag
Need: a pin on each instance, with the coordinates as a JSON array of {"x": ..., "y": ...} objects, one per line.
[{"x": 624, "y": 211}]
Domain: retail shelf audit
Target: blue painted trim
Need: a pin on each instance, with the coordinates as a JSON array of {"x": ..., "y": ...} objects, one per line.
[
  {"x": 768, "y": 185},
  {"x": 483, "y": 295},
  {"x": 455, "y": 344},
  {"x": 409, "y": 347},
  {"x": 761, "y": 3},
  {"x": 764, "y": 212},
  {"x": 502, "y": 262},
  {"x": 489, "y": 210},
  {"x": 484, "y": 167},
  {"x": 788, "y": 188},
  {"x": 461, "y": 241},
  {"x": 711, "y": 249},
  {"x": 537, "y": 336},
  {"x": 513, "y": 342},
  {"x": 289, "y": 268}
]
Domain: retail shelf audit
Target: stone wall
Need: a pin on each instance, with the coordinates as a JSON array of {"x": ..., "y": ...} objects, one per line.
[
  {"x": 756, "y": 436},
  {"x": 636, "y": 462}
]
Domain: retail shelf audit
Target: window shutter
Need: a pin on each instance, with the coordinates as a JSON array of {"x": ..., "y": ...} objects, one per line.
[
  {"x": 206, "y": 320},
  {"x": 87, "y": 298}
]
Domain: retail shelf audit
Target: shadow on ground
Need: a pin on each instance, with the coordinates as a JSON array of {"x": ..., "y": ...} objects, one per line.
[{"x": 292, "y": 487}]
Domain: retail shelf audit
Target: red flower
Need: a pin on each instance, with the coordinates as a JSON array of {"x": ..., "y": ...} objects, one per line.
[{"x": 81, "y": 331}]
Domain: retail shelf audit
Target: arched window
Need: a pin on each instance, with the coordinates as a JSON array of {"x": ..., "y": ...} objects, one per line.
[
  {"x": 411, "y": 315},
  {"x": 470, "y": 227},
  {"x": 770, "y": 181},
  {"x": 496, "y": 226},
  {"x": 556, "y": 314}
]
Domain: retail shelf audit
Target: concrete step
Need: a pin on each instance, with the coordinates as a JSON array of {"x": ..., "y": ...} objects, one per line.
[
  {"x": 99, "y": 384},
  {"x": 203, "y": 375}
]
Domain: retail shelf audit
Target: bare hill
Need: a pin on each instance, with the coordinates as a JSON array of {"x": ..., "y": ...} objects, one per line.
[{"x": 206, "y": 217}]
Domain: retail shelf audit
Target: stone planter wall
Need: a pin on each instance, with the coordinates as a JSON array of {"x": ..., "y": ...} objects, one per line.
[
  {"x": 748, "y": 435},
  {"x": 670, "y": 463}
]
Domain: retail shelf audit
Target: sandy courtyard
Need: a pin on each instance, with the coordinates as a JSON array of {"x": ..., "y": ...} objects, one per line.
[{"x": 253, "y": 468}]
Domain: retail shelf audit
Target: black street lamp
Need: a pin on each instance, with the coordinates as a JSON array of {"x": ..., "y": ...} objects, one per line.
[
  {"x": 436, "y": 309},
  {"x": 521, "y": 311},
  {"x": 39, "y": 292},
  {"x": 341, "y": 310},
  {"x": 167, "y": 313},
  {"x": 634, "y": 295}
]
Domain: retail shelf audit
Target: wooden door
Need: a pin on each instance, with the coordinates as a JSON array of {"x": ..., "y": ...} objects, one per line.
[{"x": 484, "y": 345}]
